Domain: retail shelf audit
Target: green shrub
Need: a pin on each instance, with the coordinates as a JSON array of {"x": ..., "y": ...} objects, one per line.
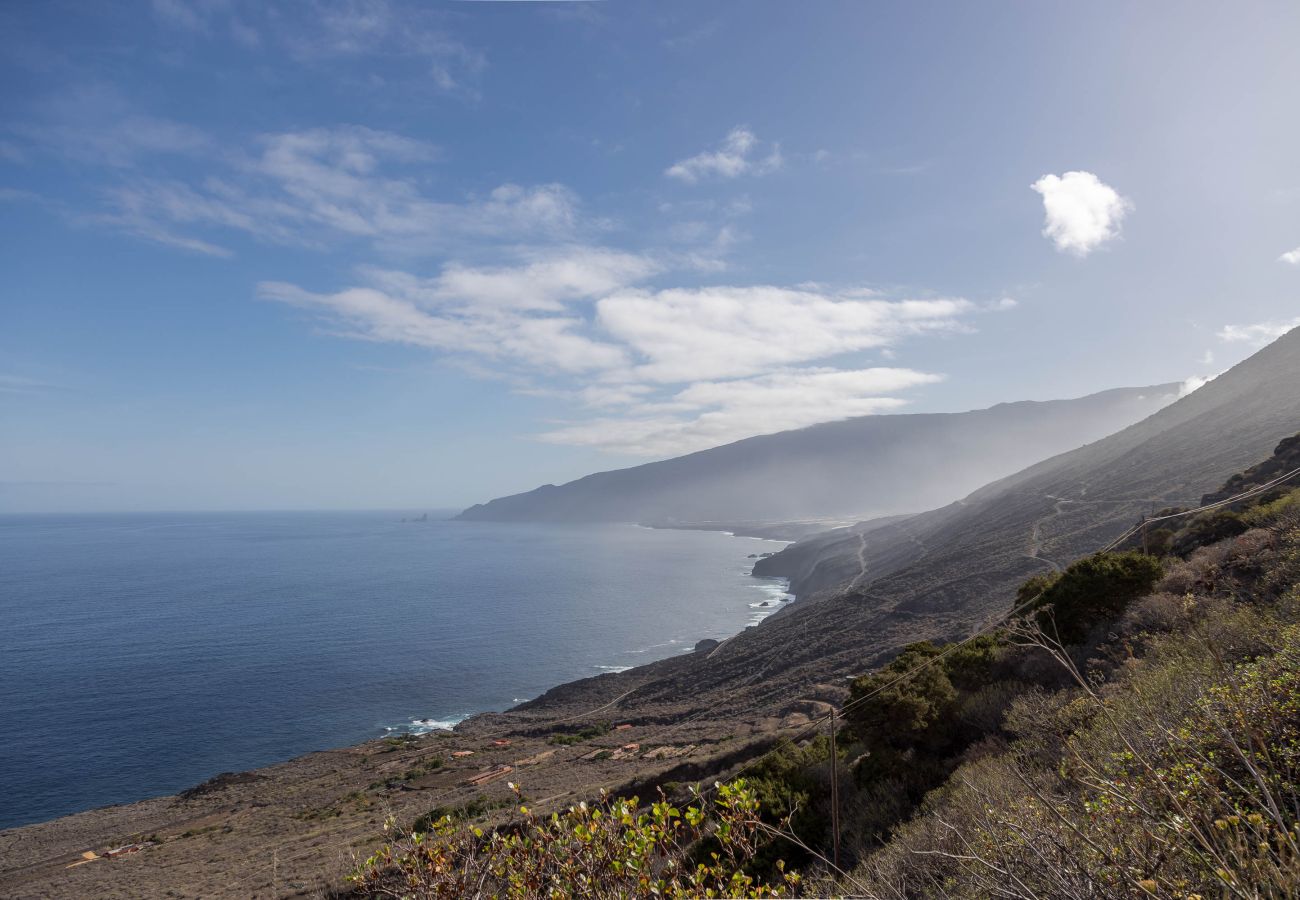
[
  {"x": 791, "y": 794},
  {"x": 901, "y": 716},
  {"x": 1208, "y": 528},
  {"x": 1184, "y": 784},
  {"x": 1093, "y": 590},
  {"x": 470, "y": 810},
  {"x": 566, "y": 739},
  {"x": 1284, "y": 507},
  {"x": 613, "y": 848}
]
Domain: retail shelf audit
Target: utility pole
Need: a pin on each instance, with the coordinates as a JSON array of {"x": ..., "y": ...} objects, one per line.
[
  {"x": 835, "y": 794},
  {"x": 1145, "y": 551}
]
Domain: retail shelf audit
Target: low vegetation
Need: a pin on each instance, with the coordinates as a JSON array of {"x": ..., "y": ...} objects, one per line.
[
  {"x": 1138, "y": 734},
  {"x": 613, "y": 848},
  {"x": 1134, "y": 731},
  {"x": 568, "y": 738},
  {"x": 399, "y": 742}
]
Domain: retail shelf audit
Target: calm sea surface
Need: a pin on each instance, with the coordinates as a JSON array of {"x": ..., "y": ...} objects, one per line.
[{"x": 142, "y": 654}]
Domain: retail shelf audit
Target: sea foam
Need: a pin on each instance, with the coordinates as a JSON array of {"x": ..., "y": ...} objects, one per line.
[{"x": 424, "y": 726}]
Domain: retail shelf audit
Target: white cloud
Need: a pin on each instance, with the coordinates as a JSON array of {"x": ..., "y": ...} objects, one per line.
[
  {"x": 315, "y": 188},
  {"x": 547, "y": 283},
  {"x": 160, "y": 234},
  {"x": 662, "y": 371},
  {"x": 333, "y": 178},
  {"x": 520, "y": 316},
  {"x": 310, "y": 188},
  {"x": 800, "y": 386},
  {"x": 1195, "y": 382},
  {"x": 375, "y": 28},
  {"x": 322, "y": 32},
  {"x": 727, "y": 332},
  {"x": 549, "y": 343},
  {"x": 608, "y": 395},
  {"x": 707, "y": 414},
  {"x": 1259, "y": 334},
  {"x": 1082, "y": 212},
  {"x": 1291, "y": 256},
  {"x": 94, "y": 124},
  {"x": 739, "y": 154}
]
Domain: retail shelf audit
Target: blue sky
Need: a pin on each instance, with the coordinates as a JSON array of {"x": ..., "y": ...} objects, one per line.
[{"x": 372, "y": 254}]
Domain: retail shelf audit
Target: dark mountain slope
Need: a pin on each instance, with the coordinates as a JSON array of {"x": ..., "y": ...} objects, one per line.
[
  {"x": 877, "y": 465},
  {"x": 941, "y": 574}
]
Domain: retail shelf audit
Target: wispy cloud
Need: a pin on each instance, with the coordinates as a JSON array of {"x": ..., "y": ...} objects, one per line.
[
  {"x": 707, "y": 414},
  {"x": 324, "y": 32},
  {"x": 1258, "y": 334},
  {"x": 93, "y": 123},
  {"x": 1082, "y": 212},
  {"x": 314, "y": 188},
  {"x": 741, "y": 153},
  {"x": 19, "y": 384},
  {"x": 689, "y": 334},
  {"x": 546, "y": 284},
  {"x": 518, "y": 317},
  {"x": 189, "y": 15},
  {"x": 1195, "y": 382},
  {"x": 377, "y": 27},
  {"x": 1291, "y": 257},
  {"x": 662, "y": 370},
  {"x": 525, "y": 289},
  {"x": 694, "y": 35},
  {"x": 549, "y": 343}
]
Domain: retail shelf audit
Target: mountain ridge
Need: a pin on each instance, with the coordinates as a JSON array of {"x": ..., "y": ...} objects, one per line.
[
  {"x": 941, "y": 574},
  {"x": 881, "y": 465}
]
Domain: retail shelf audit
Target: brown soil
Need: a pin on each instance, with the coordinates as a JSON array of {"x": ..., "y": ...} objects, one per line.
[{"x": 296, "y": 829}]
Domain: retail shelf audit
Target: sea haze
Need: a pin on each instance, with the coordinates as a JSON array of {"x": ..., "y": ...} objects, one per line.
[{"x": 142, "y": 654}]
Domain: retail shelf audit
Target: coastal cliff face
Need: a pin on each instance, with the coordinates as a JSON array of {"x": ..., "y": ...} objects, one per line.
[{"x": 884, "y": 465}]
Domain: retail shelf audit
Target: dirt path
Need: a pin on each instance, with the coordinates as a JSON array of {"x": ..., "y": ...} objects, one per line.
[
  {"x": 1035, "y": 547},
  {"x": 862, "y": 561}
]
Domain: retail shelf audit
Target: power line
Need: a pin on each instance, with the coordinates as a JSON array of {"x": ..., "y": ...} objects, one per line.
[
  {"x": 1258, "y": 489},
  {"x": 1016, "y": 610}
]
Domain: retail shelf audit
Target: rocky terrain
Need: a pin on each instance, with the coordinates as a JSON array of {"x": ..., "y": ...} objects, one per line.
[
  {"x": 294, "y": 829},
  {"x": 297, "y": 829}
]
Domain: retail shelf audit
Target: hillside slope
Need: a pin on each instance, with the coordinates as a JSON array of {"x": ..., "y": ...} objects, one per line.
[
  {"x": 871, "y": 465},
  {"x": 1192, "y": 655},
  {"x": 940, "y": 574},
  {"x": 295, "y": 828}
]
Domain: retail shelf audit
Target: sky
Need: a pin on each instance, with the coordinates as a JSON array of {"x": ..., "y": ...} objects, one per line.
[{"x": 372, "y": 254}]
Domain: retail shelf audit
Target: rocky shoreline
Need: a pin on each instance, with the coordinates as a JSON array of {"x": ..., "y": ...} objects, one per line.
[{"x": 296, "y": 828}]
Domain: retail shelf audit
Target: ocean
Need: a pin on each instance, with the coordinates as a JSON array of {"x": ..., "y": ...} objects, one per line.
[{"x": 141, "y": 654}]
